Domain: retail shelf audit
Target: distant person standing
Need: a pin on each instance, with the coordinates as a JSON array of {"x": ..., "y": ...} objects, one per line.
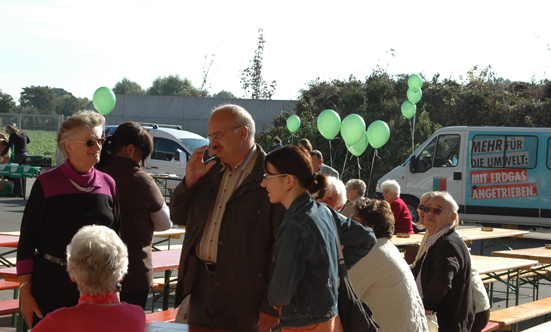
[
  {"x": 4, "y": 158},
  {"x": 320, "y": 167},
  {"x": 277, "y": 144},
  {"x": 305, "y": 144},
  {"x": 19, "y": 140}
]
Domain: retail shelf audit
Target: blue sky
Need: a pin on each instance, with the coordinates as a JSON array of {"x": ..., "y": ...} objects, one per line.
[{"x": 82, "y": 45}]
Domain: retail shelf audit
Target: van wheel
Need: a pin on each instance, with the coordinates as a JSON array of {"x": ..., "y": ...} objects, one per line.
[{"x": 412, "y": 203}]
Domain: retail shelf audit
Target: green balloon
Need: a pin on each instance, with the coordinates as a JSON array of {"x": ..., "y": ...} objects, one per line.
[
  {"x": 378, "y": 134},
  {"x": 359, "y": 148},
  {"x": 349, "y": 148},
  {"x": 352, "y": 129},
  {"x": 104, "y": 100},
  {"x": 414, "y": 96},
  {"x": 408, "y": 109},
  {"x": 329, "y": 124},
  {"x": 293, "y": 123},
  {"x": 415, "y": 82}
]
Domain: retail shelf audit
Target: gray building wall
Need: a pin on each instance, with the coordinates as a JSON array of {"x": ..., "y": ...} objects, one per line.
[{"x": 192, "y": 113}]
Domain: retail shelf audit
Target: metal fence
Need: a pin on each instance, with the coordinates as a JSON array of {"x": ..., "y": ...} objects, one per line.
[
  {"x": 35, "y": 122},
  {"x": 31, "y": 121}
]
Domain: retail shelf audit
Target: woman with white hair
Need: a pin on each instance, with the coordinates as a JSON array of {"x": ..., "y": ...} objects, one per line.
[
  {"x": 97, "y": 260},
  {"x": 61, "y": 202},
  {"x": 355, "y": 189},
  {"x": 402, "y": 217}
]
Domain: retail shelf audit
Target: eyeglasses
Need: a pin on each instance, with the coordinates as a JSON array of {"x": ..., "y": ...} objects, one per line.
[
  {"x": 90, "y": 143},
  {"x": 436, "y": 211},
  {"x": 421, "y": 207},
  {"x": 267, "y": 177},
  {"x": 218, "y": 135}
]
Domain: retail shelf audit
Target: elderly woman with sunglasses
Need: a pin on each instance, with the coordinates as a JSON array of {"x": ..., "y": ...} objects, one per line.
[
  {"x": 482, "y": 310},
  {"x": 443, "y": 273},
  {"x": 62, "y": 201}
]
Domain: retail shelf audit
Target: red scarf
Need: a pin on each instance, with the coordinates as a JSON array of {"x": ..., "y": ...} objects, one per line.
[{"x": 109, "y": 297}]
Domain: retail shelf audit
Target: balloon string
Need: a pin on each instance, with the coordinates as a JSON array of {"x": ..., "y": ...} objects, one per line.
[
  {"x": 371, "y": 173},
  {"x": 330, "y": 153},
  {"x": 343, "y": 166},
  {"x": 359, "y": 167},
  {"x": 413, "y": 134},
  {"x": 292, "y": 135}
]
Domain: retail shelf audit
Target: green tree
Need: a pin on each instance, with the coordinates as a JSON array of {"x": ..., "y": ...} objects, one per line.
[
  {"x": 224, "y": 94},
  {"x": 42, "y": 98},
  {"x": 251, "y": 78},
  {"x": 69, "y": 104},
  {"x": 127, "y": 87},
  {"x": 7, "y": 105},
  {"x": 173, "y": 85}
]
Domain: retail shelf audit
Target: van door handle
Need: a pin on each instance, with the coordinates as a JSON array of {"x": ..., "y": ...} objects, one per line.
[
  {"x": 154, "y": 167},
  {"x": 457, "y": 175}
]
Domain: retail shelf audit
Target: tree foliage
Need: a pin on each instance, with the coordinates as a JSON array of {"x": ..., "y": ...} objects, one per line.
[
  {"x": 7, "y": 104},
  {"x": 251, "y": 78},
  {"x": 127, "y": 87},
  {"x": 41, "y": 98},
  {"x": 480, "y": 100},
  {"x": 224, "y": 94},
  {"x": 173, "y": 85}
]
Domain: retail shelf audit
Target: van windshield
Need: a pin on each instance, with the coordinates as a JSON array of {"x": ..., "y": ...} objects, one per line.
[{"x": 193, "y": 143}]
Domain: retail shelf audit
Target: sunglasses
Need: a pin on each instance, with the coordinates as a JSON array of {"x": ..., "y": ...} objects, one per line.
[
  {"x": 267, "y": 177},
  {"x": 436, "y": 211},
  {"x": 90, "y": 143},
  {"x": 421, "y": 207}
]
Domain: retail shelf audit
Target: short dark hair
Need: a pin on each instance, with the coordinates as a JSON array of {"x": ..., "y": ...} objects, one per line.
[
  {"x": 295, "y": 161},
  {"x": 277, "y": 140},
  {"x": 377, "y": 215},
  {"x": 316, "y": 153}
]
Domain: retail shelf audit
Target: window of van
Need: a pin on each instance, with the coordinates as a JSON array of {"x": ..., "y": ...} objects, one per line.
[
  {"x": 504, "y": 151},
  {"x": 164, "y": 149},
  {"x": 442, "y": 151},
  {"x": 549, "y": 153},
  {"x": 192, "y": 143}
]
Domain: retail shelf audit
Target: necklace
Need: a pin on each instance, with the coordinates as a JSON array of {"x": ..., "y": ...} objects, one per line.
[{"x": 86, "y": 189}]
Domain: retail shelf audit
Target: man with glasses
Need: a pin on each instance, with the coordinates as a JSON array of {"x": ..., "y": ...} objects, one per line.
[
  {"x": 230, "y": 229},
  {"x": 443, "y": 272}
]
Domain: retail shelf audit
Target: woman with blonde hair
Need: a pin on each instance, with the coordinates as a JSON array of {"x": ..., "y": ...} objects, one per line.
[{"x": 61, "y": 202}]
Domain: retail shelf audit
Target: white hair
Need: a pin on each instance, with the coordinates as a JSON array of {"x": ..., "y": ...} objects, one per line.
[
  {"x": 97, "y": 259},
  {"x": 358, "y": 185},
  {"x": 448, "y": 198},
  {"x": 337, "y": 186},
  {"x": 391, "y": 185},
  {"x": 89, "y": 119},
  {"x": 241, "y": 117}
]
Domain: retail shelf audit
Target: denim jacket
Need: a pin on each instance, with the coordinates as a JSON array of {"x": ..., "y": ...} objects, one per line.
[{"x": 305, "y": 279}]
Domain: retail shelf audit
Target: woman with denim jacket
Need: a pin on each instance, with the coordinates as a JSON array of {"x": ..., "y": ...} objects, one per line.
[{"x": 304, "y": 285}]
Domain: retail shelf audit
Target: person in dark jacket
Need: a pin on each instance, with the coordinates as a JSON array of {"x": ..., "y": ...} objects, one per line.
[
  {"x": 19, "y": 140},
  {"x": 443, "y": 272},
  {"x": 231, "y": 226},
  {"x": 142, "y": 205}
]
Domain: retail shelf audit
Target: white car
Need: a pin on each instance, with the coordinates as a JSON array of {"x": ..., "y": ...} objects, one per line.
[{"x": 172, "y": 149}]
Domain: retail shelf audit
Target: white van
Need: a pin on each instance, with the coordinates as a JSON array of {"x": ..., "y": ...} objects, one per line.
[
  {"x": 497, "y": 175},
  {"x": 172, "y": 149}
]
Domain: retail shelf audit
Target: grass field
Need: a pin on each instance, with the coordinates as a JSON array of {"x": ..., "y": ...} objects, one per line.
[{"x": 43, "y": 143}]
